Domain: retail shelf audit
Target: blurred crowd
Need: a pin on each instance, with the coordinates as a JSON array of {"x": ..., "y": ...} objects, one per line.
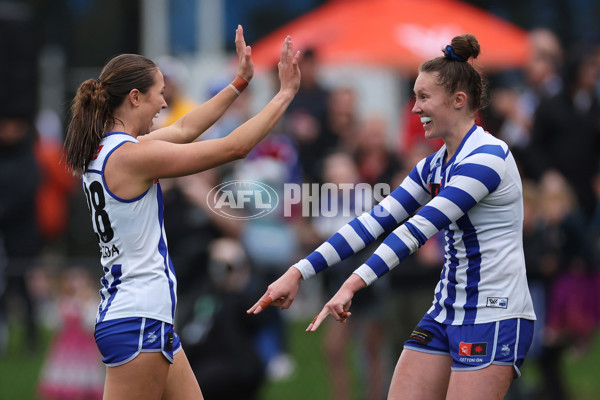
[{"x": 549, "y": 114}]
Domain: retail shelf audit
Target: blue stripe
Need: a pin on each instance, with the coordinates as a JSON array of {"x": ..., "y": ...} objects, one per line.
[
  {"x": 473, "y": 270},
  {"x": 397, "y": 245},
  {"x": 409, "y": 203},
  {"x": 452, "y": 266},
  {"x": 317, "y": 261},
  {"x": 459, "y": 197},
  {"x": 118, "y": 133},
  {"x": 493, "y": 149},
  {"x": 361, "y": 231},
  {"x": 451, "y": 299},
  {"x": 116, "y": 273},
  {"x": 435, "y": 216},
  {"x": 377, "y": 264},
  {"x": 421, "y": 238},
  {"x": 162, "y": 249},
  {"x": 437, "y": 307},
  {"x": 104, "y": 181},
  {"x": 383, "y": 217},
  {"x": 484, "y": 174},
  {"x": 341, "y": 246}
]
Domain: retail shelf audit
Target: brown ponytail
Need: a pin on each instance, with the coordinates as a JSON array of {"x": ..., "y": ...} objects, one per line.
[
  {"x": 455, "y": 73},
  {"x": 86, "y": 129},
  {"x": 95, "y": 102}
]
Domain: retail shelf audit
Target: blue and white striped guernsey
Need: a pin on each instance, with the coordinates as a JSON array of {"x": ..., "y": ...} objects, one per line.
[
  {"x": 139, "y": 279},
  {"x": 476, "y": 198}
]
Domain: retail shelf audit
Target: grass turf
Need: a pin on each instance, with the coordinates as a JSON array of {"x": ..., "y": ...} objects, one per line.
[{"x": 20, "y": 367}]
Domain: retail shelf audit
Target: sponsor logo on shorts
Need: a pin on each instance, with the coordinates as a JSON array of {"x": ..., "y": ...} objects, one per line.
[
  {"x": 472, "y": 349},
  {"x": 421, "y": 335},
  {"x": 497, "y": 302},
  {"x": 471, "y": 359}
]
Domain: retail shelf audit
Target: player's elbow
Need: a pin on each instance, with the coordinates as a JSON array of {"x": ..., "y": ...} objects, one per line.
[
  {"x": 238, "y": 151},
  {"x": 242, "y": 151}
]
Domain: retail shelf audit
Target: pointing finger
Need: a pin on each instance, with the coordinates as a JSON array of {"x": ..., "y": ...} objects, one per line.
[
  {"x": 260, "y": 305},
  {"x": 265, "y": 302},
  {"x": 310, "y": 326},
  {"x": 316, "y": 322}
]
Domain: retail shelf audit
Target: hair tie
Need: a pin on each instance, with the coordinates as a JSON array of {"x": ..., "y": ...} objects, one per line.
[
  {"x": 99, "y": 81},
  {"x": 451, "y": 55}
]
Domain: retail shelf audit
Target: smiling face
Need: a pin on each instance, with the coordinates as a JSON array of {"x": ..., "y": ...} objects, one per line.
[
  {"x": 151, "y": 103},
  {"x": 434, "y": 106}
]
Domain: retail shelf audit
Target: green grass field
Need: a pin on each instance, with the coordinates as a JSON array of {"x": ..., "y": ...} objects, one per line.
[{"x": 19, "y": 370}]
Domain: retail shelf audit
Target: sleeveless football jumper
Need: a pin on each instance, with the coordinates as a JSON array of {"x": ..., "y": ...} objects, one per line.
[{"x": 139, "y": 279}]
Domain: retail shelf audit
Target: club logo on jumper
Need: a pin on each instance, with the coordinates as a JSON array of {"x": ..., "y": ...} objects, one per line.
[
  {"x": 472, "y": 349},
  {"x": 97, "y": 153},
  {"x": 497, "y": 302},
  {"x": 242, "y": 199},
  {"x": 434, "y": 189}
]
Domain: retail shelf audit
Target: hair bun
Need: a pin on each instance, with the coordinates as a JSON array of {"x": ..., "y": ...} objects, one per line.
[
  {"x": 449, "y": 53},
  {"x": 462, "y": 48}
]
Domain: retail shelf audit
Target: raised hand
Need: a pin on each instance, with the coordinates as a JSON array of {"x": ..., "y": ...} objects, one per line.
[
  {"x": 245, "y": 66},
  {"x": 289, "y": 71}
]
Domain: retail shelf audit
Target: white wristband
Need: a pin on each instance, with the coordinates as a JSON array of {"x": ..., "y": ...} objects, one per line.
[{"x": 234, "y": 89}]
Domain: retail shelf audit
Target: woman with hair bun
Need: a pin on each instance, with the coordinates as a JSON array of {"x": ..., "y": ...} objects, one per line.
[
  {"x": 472, "y": 341},
  {"x": 111, "y": 145}
]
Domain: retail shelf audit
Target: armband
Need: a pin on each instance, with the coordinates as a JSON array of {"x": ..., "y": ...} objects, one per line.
[{"x": 238, "y": 85}]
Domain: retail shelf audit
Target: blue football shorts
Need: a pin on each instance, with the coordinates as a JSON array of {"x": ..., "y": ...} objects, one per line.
[
  {"x": 121, "y": 340},
  {"x": 475, "y": 346}
]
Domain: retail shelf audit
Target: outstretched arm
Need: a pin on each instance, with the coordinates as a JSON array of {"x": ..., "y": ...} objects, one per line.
[
  {"x": 475, "y": 178},
  {"x": 363, "y": 230},
  {"x": 150, "y": 159},
  {"x": 350, "y": 239},
  {"x": 191, "y": 125}
]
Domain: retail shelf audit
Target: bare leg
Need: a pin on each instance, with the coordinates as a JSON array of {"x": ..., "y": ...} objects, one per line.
[
  {"x": 335, "y": 344},
  {"x": 421, "y": 376},
  {"x": 142, "y": 378},
  {"x": 373, "y": 339},
  {"x": 491, "y": 382},
  {"x": 181, "y": 381}
]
